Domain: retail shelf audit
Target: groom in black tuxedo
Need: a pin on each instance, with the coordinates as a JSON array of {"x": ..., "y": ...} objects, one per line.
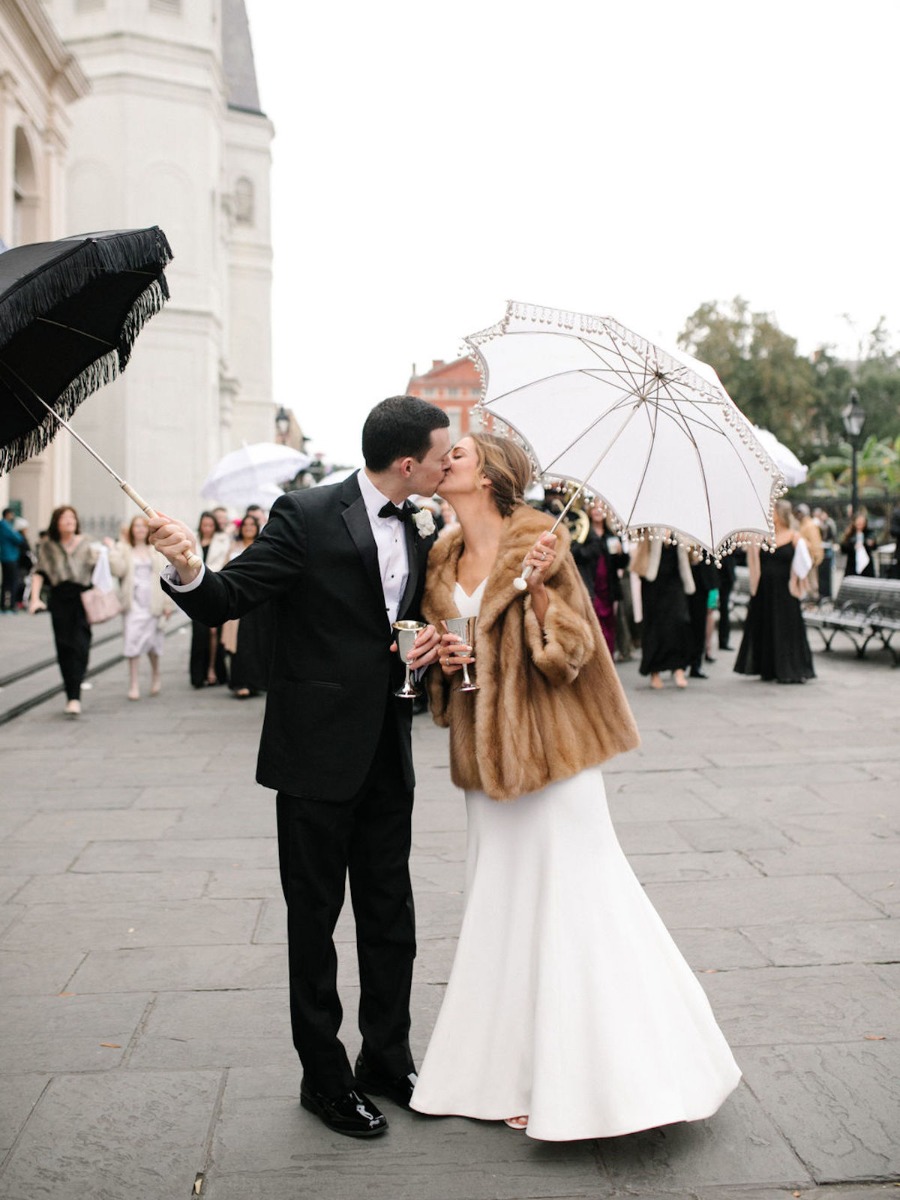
[{"x": 339, "y": 565}]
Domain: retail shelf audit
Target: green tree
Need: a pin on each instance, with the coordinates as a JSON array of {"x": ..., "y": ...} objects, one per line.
[
  {"x": 758, "y": 364},
  {"x": 877, "y": 468},
  {"x": 875, "y": 373}
]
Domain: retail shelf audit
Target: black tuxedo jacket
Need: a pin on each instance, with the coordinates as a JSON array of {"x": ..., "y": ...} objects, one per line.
[{"x": 332, "y": 671}]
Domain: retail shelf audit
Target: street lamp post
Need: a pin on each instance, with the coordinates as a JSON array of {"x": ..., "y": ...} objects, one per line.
[
  {"x": 282, "y": 425},
  {"x": 854, "y": 418}
]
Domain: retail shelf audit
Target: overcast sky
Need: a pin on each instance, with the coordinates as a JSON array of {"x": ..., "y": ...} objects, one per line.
[{"x": 433, "y": 160}]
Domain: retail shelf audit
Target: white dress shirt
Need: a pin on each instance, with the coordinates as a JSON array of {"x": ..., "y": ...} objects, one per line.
[{"x": 390, "y": 541}]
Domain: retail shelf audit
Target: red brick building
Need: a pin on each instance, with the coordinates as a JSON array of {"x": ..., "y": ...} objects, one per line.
[{"x": 455, "y": 387}]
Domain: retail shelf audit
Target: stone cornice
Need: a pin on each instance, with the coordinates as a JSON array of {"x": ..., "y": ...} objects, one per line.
[{"x": 40, "y": 41}]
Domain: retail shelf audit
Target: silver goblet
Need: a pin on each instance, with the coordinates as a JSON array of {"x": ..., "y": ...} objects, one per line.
[
  {"x": 406, "y": 632},
  {"x": 463, "y": 627}
]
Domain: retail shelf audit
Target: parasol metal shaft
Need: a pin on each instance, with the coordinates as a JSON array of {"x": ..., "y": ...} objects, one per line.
[
  {"x": 520, "y": 583},
  {"x": 193, "y": 560}
]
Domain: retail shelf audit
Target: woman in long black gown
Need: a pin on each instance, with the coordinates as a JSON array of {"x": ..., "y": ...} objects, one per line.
[
  {"x": 774, "y": 645},
  {"x": 666, "y": 583}
]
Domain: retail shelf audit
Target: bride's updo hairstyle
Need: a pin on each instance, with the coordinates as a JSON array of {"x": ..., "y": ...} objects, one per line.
[{"x": 508, "y": 468}]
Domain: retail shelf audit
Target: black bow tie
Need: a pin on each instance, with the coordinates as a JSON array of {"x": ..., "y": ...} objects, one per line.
[{"x": 391, "y": 510}]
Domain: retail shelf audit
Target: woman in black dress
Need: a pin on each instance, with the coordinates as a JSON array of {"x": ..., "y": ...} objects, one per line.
[
  {"x": 859, "y": 546},
  {"x": 774, "y": 645},
  {"x": 65, "y": 563},
  {"x": 207, "y": 660},
  {"x": 249, "y": 640},
  {"x": 666, "y": 637}
]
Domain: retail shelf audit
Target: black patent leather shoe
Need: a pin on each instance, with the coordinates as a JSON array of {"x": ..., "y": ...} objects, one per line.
[
  {"x": 398, "y": 1088},
  {"x": 696, "y": 673},
  {"x": 350, "y": 1113}
]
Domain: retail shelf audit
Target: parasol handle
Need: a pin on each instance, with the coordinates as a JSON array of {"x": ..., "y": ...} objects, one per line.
[
  {"x": 520, "y": 583},
  {"x": 193, "y": 560}
]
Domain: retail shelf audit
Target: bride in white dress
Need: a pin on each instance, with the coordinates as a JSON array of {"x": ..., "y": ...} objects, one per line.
[{"x": 569, "y": 1012}]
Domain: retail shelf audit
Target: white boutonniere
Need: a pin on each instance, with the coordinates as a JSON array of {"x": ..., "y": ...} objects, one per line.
[{"x": 424, "y": 522}]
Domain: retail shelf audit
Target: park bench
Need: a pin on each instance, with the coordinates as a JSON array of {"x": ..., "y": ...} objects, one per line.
[{"x": 865, "y": 609}]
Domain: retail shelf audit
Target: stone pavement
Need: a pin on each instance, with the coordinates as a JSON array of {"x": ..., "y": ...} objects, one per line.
[{"x": 144, "y": 1038}]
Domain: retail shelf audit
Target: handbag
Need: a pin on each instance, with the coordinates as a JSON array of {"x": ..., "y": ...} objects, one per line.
[
  {"x": 100, "y": 601},
  {"x": 100, "y": 606}
]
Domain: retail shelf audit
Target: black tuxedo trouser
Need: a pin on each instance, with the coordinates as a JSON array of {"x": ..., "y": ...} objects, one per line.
[{"x": 319, "y": 843}]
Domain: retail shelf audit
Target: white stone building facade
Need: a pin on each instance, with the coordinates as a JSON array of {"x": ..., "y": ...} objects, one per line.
[
  {"x": 171, "y": 133},
  {"x": 39, "y": 80}
]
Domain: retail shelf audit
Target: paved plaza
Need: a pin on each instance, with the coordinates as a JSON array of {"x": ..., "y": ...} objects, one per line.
[{"x": 144, "y": 1036}]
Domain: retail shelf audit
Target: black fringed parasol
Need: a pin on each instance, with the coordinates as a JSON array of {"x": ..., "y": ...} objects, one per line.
[{"x": 70, "y": 312}]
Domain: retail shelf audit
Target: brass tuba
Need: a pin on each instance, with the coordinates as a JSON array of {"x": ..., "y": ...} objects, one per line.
[{"x": 556, "y": 496}]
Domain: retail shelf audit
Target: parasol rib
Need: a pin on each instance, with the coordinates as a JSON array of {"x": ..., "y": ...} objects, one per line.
[
  {"x": 192, "y": 559},
  {"x": 522, "y": 581}
]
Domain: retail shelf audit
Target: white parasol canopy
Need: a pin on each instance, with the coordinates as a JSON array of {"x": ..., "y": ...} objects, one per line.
[
  {"x": 651, "y": 431},
  {"x": 251, "y": 474},
  {"x": 793, "y": 470}
]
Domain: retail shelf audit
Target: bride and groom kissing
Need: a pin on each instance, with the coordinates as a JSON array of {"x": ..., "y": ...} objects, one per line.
[{"x": 569, "y": 1012}]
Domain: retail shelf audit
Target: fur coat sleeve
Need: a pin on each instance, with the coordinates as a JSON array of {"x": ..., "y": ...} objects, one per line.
[{"x": 549, "y": 702}]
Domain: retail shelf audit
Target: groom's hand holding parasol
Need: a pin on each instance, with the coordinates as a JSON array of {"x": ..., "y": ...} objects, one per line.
[{"x": 176, "y": 543}]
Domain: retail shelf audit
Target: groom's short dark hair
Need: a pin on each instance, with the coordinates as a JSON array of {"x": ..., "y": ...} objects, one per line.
[{"x": 400, "y": 427}]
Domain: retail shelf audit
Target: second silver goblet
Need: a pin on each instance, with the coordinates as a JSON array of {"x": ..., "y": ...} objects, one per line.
[{"x": 463, "y": 627}]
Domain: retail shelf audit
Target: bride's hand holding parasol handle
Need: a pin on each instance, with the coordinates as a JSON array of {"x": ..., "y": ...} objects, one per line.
[
  {"x": 536, "y": 563},
  {"x": 175, "y": 542}
]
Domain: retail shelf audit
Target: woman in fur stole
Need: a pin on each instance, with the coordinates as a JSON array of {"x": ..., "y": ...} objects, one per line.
[{"x": 569, "y": 1011}]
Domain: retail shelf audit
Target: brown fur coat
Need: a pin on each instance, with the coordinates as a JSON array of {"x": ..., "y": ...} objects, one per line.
[{"x": 550, "y": 702}]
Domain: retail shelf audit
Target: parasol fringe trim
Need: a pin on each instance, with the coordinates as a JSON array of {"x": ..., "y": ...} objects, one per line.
[
  {"x": 36, "y": 440},
  {"x": 147, "y": 305},
  {"x": 737, "y": 540},
  {"x": 35, "y": 294}
]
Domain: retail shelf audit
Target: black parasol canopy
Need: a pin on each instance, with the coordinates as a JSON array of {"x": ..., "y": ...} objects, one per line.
[{"x": 70, "y": 312}]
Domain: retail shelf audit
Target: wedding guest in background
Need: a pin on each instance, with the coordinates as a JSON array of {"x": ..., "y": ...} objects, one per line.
[
  {"x": 706, "y": 579},
  {"x": 26, "y": 563},
  {"x": 258, "y": 512},
  {"x": 11, "y": 545},
  {"x": 859, "y": 546},
  {"x": 774, "y": 645},
  {"x": 895, "y": 537},
  {"x": 628, "y": 625},
  {"x": 65, "y": 562},
  {"x": 712, "y": 608},
  {"x": 811, "y": 533},
  {"x": 667, "y": 642},
  {"x": 599, "y": 559},
  {"x": 207, "y": 659},
  {"x": 137, "y": 566},
  {"x": 726, "y": 574},
  {"x": 248, "y": 641},
  {"x": 828, "y": 534}
]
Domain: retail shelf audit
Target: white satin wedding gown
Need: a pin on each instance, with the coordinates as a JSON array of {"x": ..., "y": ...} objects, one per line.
[{"x": 568, "y": 1000}]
